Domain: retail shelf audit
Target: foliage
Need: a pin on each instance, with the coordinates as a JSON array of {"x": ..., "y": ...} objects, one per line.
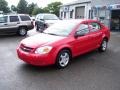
[
  {"x": 13, "y": 8},
  {"x": 30, "y": 8},
  {"x": 22, "y": 7},
  {"x": 4, "y": 6},
  {"x": 51, "y": 8},
  {"x": 54, "y": 7}
]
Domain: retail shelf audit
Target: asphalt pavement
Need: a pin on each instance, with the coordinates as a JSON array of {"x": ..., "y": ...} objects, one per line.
[{"x": 91, "y": 71}]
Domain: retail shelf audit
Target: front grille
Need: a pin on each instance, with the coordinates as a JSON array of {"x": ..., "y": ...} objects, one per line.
[{"x": 25, "y": 48}]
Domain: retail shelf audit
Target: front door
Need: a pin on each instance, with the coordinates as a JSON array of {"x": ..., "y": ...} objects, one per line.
[{"x": 82, "y": 44}]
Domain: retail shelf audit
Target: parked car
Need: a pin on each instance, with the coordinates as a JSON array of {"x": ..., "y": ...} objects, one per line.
[
  {"x": 44, "y": 20},
  {"x": 15, "y": 23},
  {"x": 62, "y": 41}
]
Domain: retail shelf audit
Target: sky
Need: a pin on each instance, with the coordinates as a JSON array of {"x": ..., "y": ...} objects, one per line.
[{"x": 40, "y": 3}]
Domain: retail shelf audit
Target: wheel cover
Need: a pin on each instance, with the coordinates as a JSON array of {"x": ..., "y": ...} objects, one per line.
[
  {"x": 104, "y": 45},
  {"x": 22, "y": 31},
  {"x": 64, "y": 59}
]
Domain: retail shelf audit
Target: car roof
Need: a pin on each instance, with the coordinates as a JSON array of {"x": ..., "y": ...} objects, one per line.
[
  {"x": 14, "y": 14},
  {"x": 46, "y": 14},
  {"x": 79, "y": 20},
  {"x": 43, "y": 14}
]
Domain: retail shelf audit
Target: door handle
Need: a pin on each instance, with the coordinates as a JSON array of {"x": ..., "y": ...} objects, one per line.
[
  {"x": 18, "y": 22},
  {"x": 5, "y": 24}
]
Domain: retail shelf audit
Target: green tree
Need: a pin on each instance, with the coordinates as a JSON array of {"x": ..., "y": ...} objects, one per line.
[
  {"x": 4, "y": 6},
  {"x": 45, "y": 10},
  {"x": 22, "y": 7},
  {"x": 37, "y": 10},
  {"x": 30, "y": 8},
  {"x": 51, "y": 8},
  {"x": 13, "y": 8},
  {"x": 54, "y": 7}
]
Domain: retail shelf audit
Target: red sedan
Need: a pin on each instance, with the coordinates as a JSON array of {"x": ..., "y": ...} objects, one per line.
[{"x": 62, "y": 41}]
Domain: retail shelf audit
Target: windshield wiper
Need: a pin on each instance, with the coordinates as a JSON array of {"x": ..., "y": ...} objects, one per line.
[{"x": 53, "y": 34}]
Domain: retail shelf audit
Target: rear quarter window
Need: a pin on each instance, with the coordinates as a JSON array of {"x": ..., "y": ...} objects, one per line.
[
  {"x": 94, "y": 26},
  {"x": 25, "y": 18}
]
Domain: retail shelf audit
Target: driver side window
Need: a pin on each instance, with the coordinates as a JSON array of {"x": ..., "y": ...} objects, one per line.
[{"x": 83, "y": 29}]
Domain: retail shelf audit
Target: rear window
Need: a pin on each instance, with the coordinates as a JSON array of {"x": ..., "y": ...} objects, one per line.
[{"x": 25, "y": 18}]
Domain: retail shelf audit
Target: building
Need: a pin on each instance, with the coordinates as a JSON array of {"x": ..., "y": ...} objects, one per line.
[
  {"x": 107, "y": 11},
  {"x": 75, "y": 10}
]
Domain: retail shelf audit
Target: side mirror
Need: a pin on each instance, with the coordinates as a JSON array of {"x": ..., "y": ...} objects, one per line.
[{"x": 79, "y": 34}]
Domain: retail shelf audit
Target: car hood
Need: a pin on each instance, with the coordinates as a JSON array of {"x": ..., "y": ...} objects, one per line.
[{"x": 40, "y": 39}]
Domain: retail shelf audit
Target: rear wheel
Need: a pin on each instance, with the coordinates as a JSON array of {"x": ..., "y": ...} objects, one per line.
[
  {"x": 22, "y": 31},
  {"x": 63, "y": 59},
  {"x": 103, "y": 46}
]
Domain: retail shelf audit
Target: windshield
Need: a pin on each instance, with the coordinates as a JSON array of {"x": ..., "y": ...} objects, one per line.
[
  {"x": 50, "y": 17},
  {"x": 3, "y": 19},
  {"x": 39, "y": 16},
  {"x": 61, "y": 28}
]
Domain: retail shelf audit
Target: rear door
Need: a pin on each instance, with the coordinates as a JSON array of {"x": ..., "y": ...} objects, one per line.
[
  {"x": 26, "y": 21},
  {"x": 95, "y": 34}
]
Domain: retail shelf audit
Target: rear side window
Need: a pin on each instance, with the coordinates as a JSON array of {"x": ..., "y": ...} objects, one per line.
[
  {"x": 94, "y": 27},
  {"x": 25, "y": 18},
  {"x": 14, "y": 19}
]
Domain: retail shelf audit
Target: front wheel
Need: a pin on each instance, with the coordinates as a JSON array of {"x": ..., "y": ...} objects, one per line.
[
  {"x": 63, "y": 59},
  {"x": 37, "y": 28},
  {"x": 103, "y": 46}
]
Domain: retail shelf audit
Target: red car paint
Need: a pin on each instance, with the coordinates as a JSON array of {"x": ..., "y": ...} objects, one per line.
[{"x": 77, "y": 46}]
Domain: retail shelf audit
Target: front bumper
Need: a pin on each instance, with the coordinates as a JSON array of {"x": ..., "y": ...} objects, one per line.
[{"x": 36, "y": 59}]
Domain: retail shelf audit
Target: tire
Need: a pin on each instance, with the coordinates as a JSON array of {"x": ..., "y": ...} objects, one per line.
[
  {"x": 22, "y": 31},
  {"x": 103, "y": 46},
  {"x": 63, "y": 59},
  {"x": 37, "y": 28}
]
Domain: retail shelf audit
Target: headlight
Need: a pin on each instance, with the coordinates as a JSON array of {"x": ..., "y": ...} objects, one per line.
[{"x": 43, "y": 50}]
